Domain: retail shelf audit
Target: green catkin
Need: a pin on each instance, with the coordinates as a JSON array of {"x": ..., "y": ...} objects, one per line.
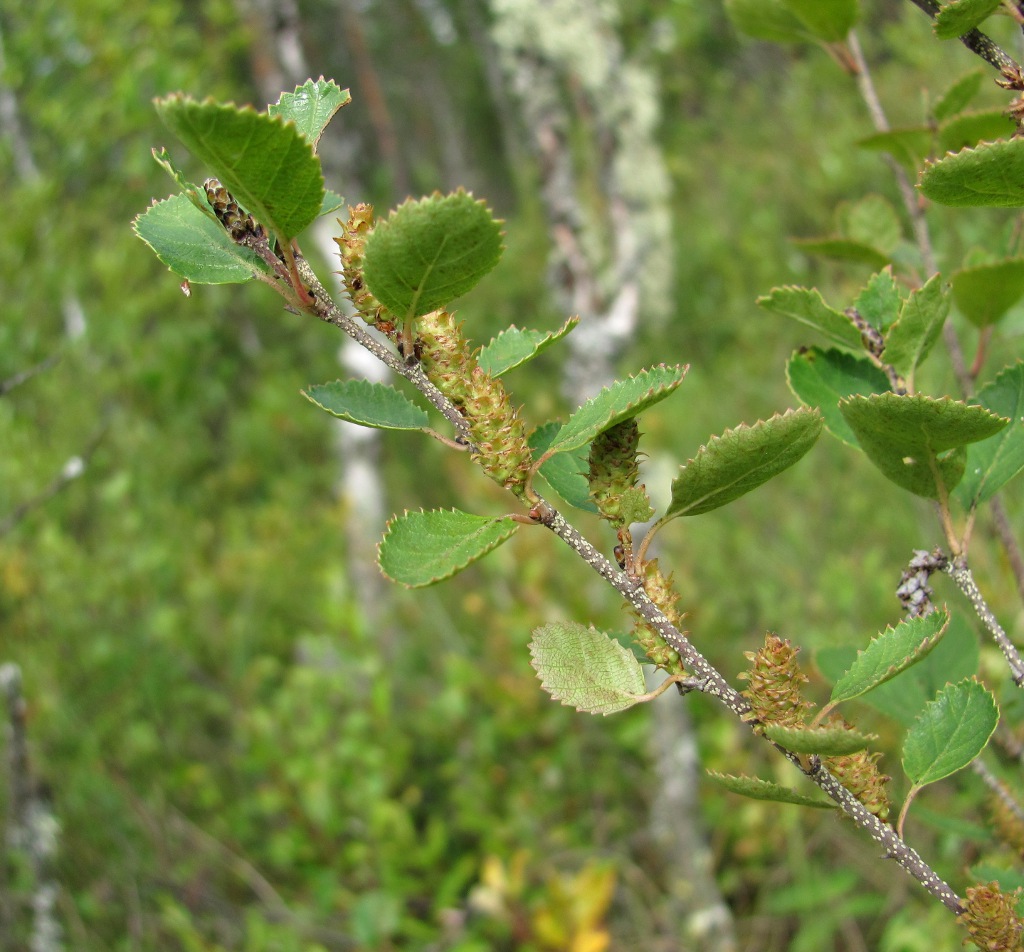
[
  {"x": 614, "y": 468},
  {"x": 350, "y": 250},
  {"x": 496, "y": 430}
]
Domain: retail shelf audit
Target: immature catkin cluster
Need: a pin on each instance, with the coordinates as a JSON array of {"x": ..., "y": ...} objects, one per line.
[
  {"x": 859, "y": 773},
  {"x": 242, "y": 228},
  {"x": 991, "y": 919},
  {"x": 445, "y": 356},
  {"x": 614, "y": 468},
  {"x": 496, "y": 430},
  {"x": 661, "y": 591},
  {"x": 775, "y": 681},
  {"x": 350, "y": 251}
]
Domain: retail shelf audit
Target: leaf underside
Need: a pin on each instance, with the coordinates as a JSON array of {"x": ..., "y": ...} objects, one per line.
[
  {"x": 368, "y": 404},
  {"x": 757, "y": 789},
  {"x": 917, "y": 441},
  {"x": 825, "y": 741},
  {"x": 586, "y": 669}
]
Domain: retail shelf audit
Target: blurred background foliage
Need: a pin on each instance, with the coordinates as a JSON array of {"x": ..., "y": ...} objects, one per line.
[{"x": 242, "y": 752}]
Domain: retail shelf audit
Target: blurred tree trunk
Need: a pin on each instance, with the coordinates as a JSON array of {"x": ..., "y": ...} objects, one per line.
[
  {"x": 31, "y": 834},
  {"x": 590, "y": 112},
  {"x": 279, "y": 63},
  {"x": 370, "y": 89}
]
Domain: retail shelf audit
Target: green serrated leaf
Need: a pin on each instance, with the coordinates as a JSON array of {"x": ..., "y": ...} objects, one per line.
[
  {"x": 958, "y": 96},
  {"x": 821, "y": 378},
  {"x": 565, "y": 473},
  {"x": 952, "y": 730},
  {"x": 879, "y": 301},
  {"x": 194, "y": 246},
  {"x": 970, "y": 129},
  {"x": 910, "y": 340},
  {"x": 427, "y": 253},
  {"x": 911, "y": 438},
  {"x": 912, "y": 423},
  {"x": 825, "y": 741},
  {"x": 871, "y": 221},
  {"x": 961, "y": 16},
  {"x": 585, "y": 669},
  {"x": 623, "y": 400},
  {"x": 807, "y": 306},
  {"x": 904, "y": 697},
  {"x": 368, "y": 404},
  {"x": 264, "y": 162},
  {"x": 311, "y": 107},
  {"x": 757, "y": 789},
  {"x": 194, "y": 193},
  {"x": 991, "y": 174},
  {"x": 514, "y": 347},
  {"x": 828, "y": 20},
  {"x": 421, "y": 548},
  {"x": 331, "y": 203},
  {"x": 843, "y": 249},
  {"x": 766, "y": 20},
  {"x": 909, "y": 146},
  {"x": 992, "y": 463},
  {"x": 892, "y": 652},
  {"x": 985, "y": 293},
  {"x": 741, "y": 459}
]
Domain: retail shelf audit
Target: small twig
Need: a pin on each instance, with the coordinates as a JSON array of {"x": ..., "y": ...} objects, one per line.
[
  {"x": 909, "y": 195},
  {"x": 957, "y": 569},
  {"x": 998, "y": 788},
  {"x": 942, "y": 502},
  {"x": 710, "y": 681},
  {"x": 976, "y": 41},
  {"x": 902, "y": 818},
  {"x": 680, "y": 679},
  {"x": 914, "y": 207},
  {"x": 6, "y": 386},
  {"x": 69, "y": 472},
  {"x": 262, "y": 888},
  {"x": 325, "y": 309},
  {"x": 447, "y": 441},
  {"x": 1009, "y": 542},
  {"x": 981, "y": 352}
]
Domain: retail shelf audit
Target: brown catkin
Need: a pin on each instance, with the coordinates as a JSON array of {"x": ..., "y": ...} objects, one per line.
[{"x": 775, "y": 680}]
